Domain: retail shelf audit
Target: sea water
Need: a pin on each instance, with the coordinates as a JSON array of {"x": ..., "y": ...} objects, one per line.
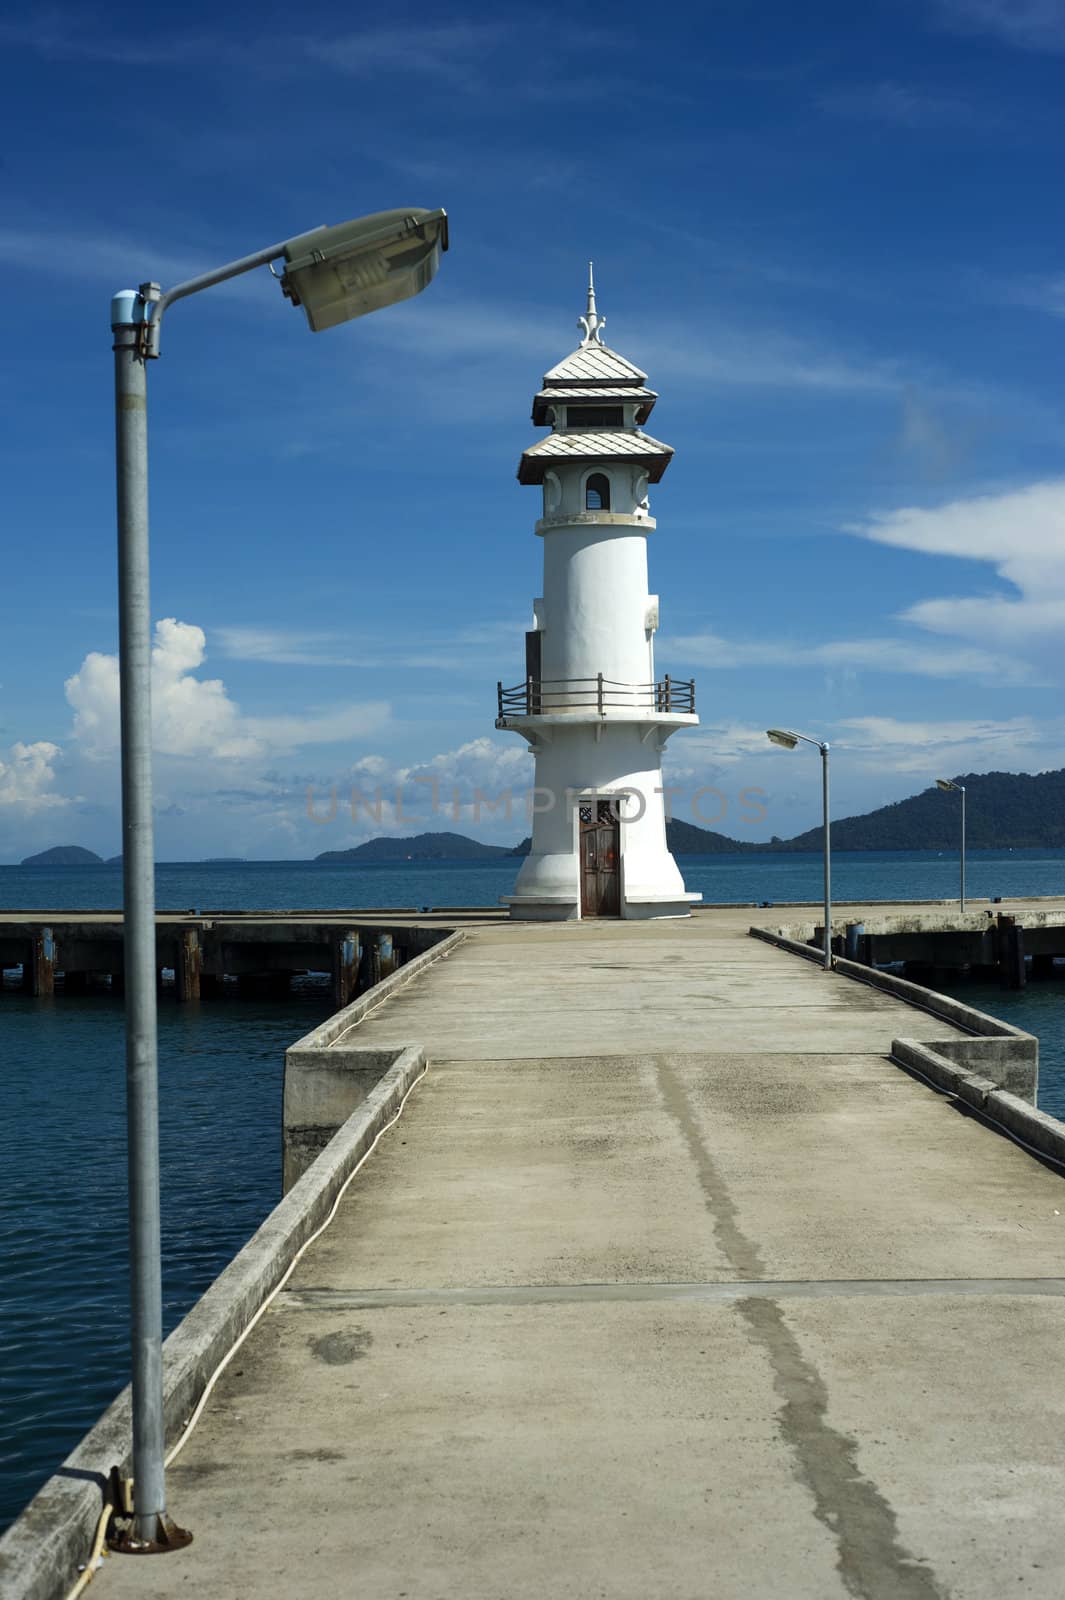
[{"x": 63, "y": 1276}]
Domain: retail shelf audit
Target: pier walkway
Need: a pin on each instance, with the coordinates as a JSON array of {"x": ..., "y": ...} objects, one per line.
[{"x": 667, "y": 1283}]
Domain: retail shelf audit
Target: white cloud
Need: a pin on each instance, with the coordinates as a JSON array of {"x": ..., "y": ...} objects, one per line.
[
  {"x": 283, "y": 647},
  {"x": 194, "y": 716},
  {"x": 450, "y": 51},
  {"x": 1020, "y": 533},
  {"x": 290, "y": 648},
  {"x": 480, "y": 763},
  {"x": 722, "y": 354},
  {"x": 1012, "y": 744},
  {"x": 765, "y": 359},
  {"x": 905, "y": 106},
  {"x": 854, "y": 655},
  {"x": 1034, "y": 291},
  {"x": 27, "y": 776},
  {"x": 481, "y": 788},
  {"x": 331, "y": 725},
  {"x": 1026, "y": 24},
  {"x": 60, "y": 35},
  {"x": 114, "y": 259}
]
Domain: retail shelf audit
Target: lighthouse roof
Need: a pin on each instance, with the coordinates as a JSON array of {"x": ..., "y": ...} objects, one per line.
[
  {"x": 591, "y": 388},
  {"x": 637, "y": 447},
  {"x": 599, "y": 392},
  {"x": 595, "y": 363}
]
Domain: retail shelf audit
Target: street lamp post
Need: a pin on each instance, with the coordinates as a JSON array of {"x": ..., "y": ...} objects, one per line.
[
  {"x": 945, "y": 783},
  {"x": 334, "y": 274},
  {"x": 787, "y": 741}
]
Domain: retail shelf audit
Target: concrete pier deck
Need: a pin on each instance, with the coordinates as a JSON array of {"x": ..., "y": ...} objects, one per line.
[{"x": 666, "y": 1283}]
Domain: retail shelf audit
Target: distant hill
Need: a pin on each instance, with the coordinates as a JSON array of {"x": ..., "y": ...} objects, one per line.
[
  {"x": 420, "y": 847},
  {"x": 1004, "y": 811},
  {"x": 63, "y": 855},
  {"x": 685, "y": 839}
]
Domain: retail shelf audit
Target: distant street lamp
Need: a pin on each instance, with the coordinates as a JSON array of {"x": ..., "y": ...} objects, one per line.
[
  {"x": 334, "y": 274},
  {"x": 787, "y": 741},
  {"x": 945, "y": 783}
]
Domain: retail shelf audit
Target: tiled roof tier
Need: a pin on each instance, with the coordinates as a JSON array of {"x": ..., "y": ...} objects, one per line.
[
  {"x": 595, "y": 391},
  {"x": 599, "y": 393},
  {"x": 594, "y": 363},
  {"x": 639, "y": 448}
]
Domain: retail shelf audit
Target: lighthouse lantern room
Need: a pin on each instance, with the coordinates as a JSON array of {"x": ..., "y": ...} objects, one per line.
[{"x": 590, "y": 706}]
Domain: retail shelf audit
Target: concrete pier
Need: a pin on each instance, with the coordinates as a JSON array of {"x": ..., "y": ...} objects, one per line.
[
  {"x": 668, "y": 1282},
  {"x": 264, "y": 950},
  {"x": 991, "y": 941}
]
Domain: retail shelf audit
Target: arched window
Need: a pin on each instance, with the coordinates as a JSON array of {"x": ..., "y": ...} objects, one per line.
[{"x": 597, "y": 492}]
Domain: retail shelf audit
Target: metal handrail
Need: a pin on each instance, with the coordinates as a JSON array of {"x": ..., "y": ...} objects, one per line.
[{"x": 534, "y": 696}]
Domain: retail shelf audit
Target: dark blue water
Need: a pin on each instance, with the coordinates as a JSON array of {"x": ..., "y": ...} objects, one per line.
[
  {"x": 63, "y": 1275},
  {"x": 63, "y": 1282},
  {"x": 296, "y": 885}
]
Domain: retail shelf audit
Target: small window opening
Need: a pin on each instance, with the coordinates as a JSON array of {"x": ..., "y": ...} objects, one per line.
[
  {"x": 597, "y": 493},
  {"x": 595, "y": 417}
]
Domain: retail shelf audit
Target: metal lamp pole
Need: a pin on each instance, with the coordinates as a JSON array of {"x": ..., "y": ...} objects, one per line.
[
  {"x": 335, "y": 274},
  {"x": 787, "y": 739},
  {"x": 138, "y": 880},
  {"x": 946, "y": 783}
]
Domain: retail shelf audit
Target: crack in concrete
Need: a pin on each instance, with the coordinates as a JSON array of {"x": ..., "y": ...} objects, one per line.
[
  {"x": 872, "y": 1562},
  {"x": 719, "y": 1292}
]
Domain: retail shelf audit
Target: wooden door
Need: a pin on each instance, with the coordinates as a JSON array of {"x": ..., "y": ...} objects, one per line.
[
  {"x": 600, "y": 859},
  {"x": 534, "y": 654}
]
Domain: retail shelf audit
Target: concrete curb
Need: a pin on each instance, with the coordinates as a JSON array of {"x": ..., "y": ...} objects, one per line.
[
  {"x": 329, "y": 1072},
  {"x": 797, "y": 947},
  {"x": 40, "y": 1553},
  {"x": 995, "y": 1046},
  {"x": 1038, "y": 1129},
  {"x": 994, "y": 1068},
  {"x": 328, "y": 1032}
]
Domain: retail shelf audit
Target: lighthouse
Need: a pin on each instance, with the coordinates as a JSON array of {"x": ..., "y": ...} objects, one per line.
[{"x": 591, "y": 707}]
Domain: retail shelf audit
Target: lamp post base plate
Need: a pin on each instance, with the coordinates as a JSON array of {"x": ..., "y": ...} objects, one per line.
[{"x": 168, "y": 1536}]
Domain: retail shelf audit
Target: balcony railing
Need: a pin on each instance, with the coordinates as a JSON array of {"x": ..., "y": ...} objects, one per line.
[{"x": 535, "y": 697}]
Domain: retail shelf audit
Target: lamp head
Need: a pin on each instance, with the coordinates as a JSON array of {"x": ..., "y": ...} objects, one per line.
[
  {"x": 945, "y": 783},
  {"x": 782, "y": 737},
  {"x": 339, "y": 273}
]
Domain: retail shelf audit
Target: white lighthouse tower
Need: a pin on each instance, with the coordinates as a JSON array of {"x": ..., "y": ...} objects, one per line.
[{"x": 590, "y": 706}]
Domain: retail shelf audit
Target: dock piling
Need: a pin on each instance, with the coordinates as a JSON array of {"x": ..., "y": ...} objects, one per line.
[
  {"x": 1013, "y": 972},
  {"x": 347, "y": 951},
  {"x": 187, "y": 965},
  {"x": 38, "y": 969}
]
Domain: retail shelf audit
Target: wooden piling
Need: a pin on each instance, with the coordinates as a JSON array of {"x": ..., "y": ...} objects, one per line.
[
  {"x": 38, "y": 967},
  {"x": 1012, "y": 968},
  {"x": 347, "y": 954},
  {"x": 369, "y": 963},
  {"x": 188, "y": 964}
]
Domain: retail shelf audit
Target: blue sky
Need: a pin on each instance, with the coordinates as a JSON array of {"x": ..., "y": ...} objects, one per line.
[{"x": 831, "y": 234}]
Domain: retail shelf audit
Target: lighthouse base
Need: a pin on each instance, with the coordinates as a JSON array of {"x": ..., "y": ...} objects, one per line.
[
  {"x": 530, "y": 908},
  {"x": 598, "y": 846}
]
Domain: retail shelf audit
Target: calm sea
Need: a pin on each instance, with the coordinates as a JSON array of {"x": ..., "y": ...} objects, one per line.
[{"x": 63, "y": 1284}]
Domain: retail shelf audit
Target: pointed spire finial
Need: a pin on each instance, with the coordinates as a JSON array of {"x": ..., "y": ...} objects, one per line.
[{"x": 591, "y": 323}]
